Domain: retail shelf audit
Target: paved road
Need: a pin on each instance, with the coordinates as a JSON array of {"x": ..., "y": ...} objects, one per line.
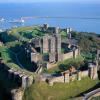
[{"x": 90, "y": 94}]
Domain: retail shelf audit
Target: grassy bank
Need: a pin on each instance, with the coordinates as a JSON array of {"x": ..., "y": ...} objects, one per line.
[{"x": 42, "y": 91}]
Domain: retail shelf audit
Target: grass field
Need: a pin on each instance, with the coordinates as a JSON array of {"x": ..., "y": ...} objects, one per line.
[
  {"x": 7, "y": 55},
  {"x": 42, "y": 91}
]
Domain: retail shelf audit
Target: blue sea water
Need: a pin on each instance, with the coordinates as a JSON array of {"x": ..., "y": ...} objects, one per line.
[{"x": 15, "y": 11}]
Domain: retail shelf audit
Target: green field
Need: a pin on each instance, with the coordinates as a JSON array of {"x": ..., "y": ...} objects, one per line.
[{"x": 42, "y": 91}]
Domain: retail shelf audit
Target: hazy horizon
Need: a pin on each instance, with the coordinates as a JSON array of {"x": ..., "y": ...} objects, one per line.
[{"x": 50, "y": 1}]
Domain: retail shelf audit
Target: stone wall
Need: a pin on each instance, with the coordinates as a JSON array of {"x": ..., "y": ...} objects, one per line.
[
  {"x": 50, "y": 65},
  {"x": 67, "y": 55},
  {"x": 67, "y": 76},
  {"x": 35, "y": 57},
  {"x": 17, "y": 94},
  {"x": 57, "y": 79},
  {"x": 22, "y": 79},
  {"x": 71, "y": 54},
  {"x": 84, "y": 73},
  {"x": 64, "y": 78}
]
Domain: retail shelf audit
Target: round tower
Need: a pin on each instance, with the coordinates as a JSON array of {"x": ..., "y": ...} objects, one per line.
[{"x": 93, "y": 71}]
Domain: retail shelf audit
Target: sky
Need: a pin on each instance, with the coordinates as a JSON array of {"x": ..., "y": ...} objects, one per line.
[{"x": 29, "y": 1}]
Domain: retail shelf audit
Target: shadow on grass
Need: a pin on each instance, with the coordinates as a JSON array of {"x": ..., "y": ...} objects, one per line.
[{"x": 26, "y": 62}]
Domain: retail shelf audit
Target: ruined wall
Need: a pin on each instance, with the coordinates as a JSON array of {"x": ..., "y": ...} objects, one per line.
[
  {"x": 21, "y": 78},
  {"x": 60, "y": 79},
  {"x": 50, "y": 65},
  {"x": 67, "y": 55},
  {"x": 70, "y": 54},
  {"x": 57, "y": 79},
  {"x": 17, "y": 94},
  {"x": 76, "y": 53},
  {"x": 84, "y": 73},
  {"x": 69, "y": 78},
  {"x": 73, "y": 77},
  {"x": 35, "y": 57}
]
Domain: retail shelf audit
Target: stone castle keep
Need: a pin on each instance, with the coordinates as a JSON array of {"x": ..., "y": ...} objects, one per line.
[
  {"x": 48, "y": 50},
  {"x": 49, "y": 47}
]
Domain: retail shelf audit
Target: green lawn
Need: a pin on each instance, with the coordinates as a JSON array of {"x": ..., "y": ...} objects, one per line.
[
  {"x": 7, "y": 55},
  {"x": 60, "y": 91}
]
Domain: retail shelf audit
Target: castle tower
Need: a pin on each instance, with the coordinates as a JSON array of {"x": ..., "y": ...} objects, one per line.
[
  {"x": 74, "y": 52},
  {"x": 66, "y": 76},
  {"x": 58, "y": 43},
  {"x": 52, "y": 49},
  {"x": 70, "y": 29},
  {"x": 45, "y": 44},
  {"x": 52, "y": 44},
  {"x": 58, "y": 47},
  {"x": 69, "y": 35},
  {"x": 56, "y": 30},
  {"x": 79, "y": 75},
  {"x": 93, "y": 71},
  {"x": 67, "y": 30}
]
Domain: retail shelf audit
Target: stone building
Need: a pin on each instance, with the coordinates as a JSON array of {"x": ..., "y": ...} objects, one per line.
[
  {"x": 93, "y": 71},
  {"x": 52, "y": 45},
  {"x": 48, "y": 48}
]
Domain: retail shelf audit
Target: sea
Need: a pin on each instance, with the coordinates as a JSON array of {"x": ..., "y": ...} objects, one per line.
[{"x": 79, "y": 16}]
